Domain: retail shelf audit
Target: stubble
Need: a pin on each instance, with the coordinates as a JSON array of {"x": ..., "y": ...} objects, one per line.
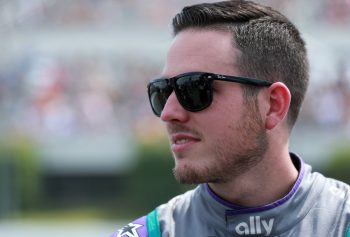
[{"x": 232, "y": 155}]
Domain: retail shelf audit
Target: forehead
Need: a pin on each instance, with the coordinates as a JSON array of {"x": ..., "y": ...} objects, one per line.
[{"x": 201, "y": 50}]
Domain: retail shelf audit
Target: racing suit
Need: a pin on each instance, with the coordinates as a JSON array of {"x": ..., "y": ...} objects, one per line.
[{"x": 315, "y": 206}]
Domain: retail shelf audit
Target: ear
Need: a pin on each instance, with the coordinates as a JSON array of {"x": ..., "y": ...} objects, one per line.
[{"x": 279, "y": 98}]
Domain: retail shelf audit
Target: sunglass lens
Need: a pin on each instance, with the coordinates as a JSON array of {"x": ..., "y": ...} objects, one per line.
[
  {"x": 194, "y": 92},
  {"x": 158, "y": 93}
]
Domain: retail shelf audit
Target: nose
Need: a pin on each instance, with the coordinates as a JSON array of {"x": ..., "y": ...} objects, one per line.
[{"x": 173, "y": 111}]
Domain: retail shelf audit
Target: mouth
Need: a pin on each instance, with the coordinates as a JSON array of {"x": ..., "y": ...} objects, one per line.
[{"x": 181, "y": 142}]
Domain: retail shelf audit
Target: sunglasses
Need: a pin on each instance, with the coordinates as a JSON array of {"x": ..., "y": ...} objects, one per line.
[{"x": 194, "y": 90}]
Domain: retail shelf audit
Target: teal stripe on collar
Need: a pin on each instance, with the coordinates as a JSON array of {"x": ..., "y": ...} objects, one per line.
[{"x": 152, "y": 224}]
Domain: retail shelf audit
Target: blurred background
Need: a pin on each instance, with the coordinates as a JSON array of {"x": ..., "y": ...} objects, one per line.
[{"x": 81, "y": 153}]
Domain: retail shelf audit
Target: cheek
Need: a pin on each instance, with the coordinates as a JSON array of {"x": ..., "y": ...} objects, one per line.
[
  {"x": 219, "y": 119},
  {"x": 228, "y": 99},
  {"x": 227, "y": 111},
  {"x": 221, "y": 124}
]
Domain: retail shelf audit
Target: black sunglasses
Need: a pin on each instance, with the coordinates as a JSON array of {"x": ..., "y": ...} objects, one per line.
[{"x": 193, "y": 90}]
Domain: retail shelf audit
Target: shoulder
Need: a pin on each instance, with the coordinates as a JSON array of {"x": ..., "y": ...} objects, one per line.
[
  {"x": 136, "y": 228},
  {"x": 337, "y": 190},
  {"x": 334, "y": 195},
  {"x": 179, "y": 203},
  {"x": 327, "y": 189},
  {"x": 148, "y": 225},
  {"x": 332, "y": 206}
]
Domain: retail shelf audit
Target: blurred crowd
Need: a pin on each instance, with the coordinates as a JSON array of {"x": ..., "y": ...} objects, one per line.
[
  {"x": 328, "y": 103},
  {"x": 61, "y": 97},
  {"x": 64, "y": 13},
  {"x": 86, "y": 13},
  {"x": 41, "y": 92}
]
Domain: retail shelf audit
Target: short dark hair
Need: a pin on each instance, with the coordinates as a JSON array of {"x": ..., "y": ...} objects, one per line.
[{"x": 271, "y": 46}]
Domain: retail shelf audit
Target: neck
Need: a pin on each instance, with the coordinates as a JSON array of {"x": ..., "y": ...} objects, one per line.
[{"x": 265, "y": 183}]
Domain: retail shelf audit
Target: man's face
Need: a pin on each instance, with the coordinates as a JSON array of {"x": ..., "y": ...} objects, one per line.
[{"x": 224, "y": 140}]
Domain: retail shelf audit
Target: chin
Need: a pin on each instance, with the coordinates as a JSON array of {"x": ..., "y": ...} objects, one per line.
[{"x": 187, "y": 174}]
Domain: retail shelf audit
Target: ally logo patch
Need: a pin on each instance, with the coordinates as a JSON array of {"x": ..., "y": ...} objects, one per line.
[{"x": 255, "y": 226}]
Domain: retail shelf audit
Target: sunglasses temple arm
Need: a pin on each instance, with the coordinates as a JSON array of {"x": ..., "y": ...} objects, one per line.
[{"x": 245, "y": 80}]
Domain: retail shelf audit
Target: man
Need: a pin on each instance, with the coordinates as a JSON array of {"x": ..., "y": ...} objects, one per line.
[{"x": 230, "y": 92}]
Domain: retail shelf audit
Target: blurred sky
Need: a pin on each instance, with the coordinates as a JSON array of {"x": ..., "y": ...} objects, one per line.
[{"x": 73, "y": 77}]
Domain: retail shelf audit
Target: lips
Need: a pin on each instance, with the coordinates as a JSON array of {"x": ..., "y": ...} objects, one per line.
[{"x": 182, "y": 141}]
